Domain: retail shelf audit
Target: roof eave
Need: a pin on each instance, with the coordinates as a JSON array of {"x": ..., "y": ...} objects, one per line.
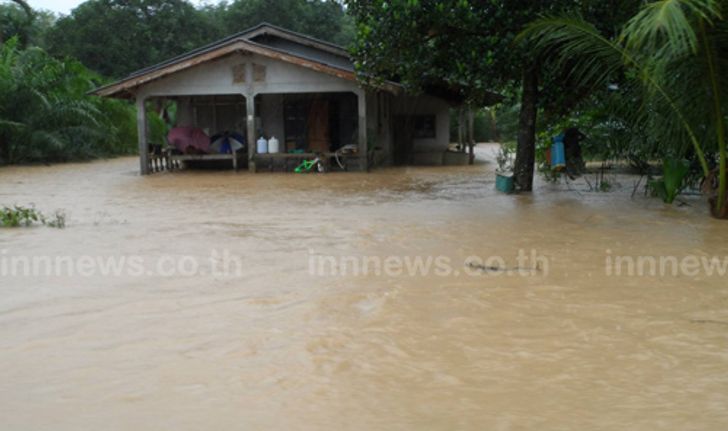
[{"x": 125, "y": 88}]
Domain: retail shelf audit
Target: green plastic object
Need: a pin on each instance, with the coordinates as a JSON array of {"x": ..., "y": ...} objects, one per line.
[
  {"x": 306, "y": 166},
  {"x": 504, "y": 183}
]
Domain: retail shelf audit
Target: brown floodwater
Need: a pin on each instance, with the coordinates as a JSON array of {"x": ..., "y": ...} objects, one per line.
[{"x": 560, "y": 346}]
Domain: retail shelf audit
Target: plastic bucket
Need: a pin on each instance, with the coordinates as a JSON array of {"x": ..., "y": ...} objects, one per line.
[{"x": 504, "y": 183}]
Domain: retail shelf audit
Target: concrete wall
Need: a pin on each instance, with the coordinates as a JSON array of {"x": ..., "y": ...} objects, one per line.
[
  {"x": 427, "y": 105},
  {"x": 379, "y": 124}
]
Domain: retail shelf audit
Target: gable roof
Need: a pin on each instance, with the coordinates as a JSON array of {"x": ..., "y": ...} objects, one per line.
[{"x": 317, "y": 55}]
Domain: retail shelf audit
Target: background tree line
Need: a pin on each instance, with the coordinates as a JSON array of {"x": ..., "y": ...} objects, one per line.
[{"x": 115, "y": 37}]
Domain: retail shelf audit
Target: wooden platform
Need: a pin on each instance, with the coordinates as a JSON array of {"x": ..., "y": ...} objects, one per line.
[
  {"x": 234, "y": 158},
  {"x": 164, "y": 160},
  {"x": 284, "y": 162}
]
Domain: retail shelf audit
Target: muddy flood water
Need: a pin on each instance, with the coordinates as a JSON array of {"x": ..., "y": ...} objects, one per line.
[{"x": 277, "y": 339}]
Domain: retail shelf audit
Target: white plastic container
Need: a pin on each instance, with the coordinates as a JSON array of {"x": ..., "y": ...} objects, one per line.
[
  {"x": 273, "y": 145},
  {"x": 262, "y": 146}
]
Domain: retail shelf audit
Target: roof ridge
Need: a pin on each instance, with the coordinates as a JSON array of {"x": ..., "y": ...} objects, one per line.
[
  {"x": 226, "y": 40},
  {"x": 295, "y": 33}
]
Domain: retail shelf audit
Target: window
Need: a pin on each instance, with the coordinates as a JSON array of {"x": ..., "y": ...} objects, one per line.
[{"x": 424, "y": 127}]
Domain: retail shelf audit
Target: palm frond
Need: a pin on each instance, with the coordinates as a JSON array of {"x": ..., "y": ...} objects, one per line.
[
  {"x": 11, "y": 125},
  {"x": 665, "y": 28},
  {"x": 576, "y": 46}
]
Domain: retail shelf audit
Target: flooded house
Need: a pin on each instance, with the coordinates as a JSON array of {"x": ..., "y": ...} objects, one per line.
[{"x": 268, "y": 85}]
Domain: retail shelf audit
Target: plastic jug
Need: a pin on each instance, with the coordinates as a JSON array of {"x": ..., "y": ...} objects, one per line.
[
  {"x": 273, "y": 145},
  {"x": 262, "y": 146}
]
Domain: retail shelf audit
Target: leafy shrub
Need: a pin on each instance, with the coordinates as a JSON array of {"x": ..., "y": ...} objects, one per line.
[{"x": 19, "y": 216}]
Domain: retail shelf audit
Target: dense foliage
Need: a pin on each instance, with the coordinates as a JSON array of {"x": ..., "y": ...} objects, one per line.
[
  {"x": 31, "y": 27},
  {"x": 671, "y": 58},
  {"x": 115, "y": 37},
  {"x": 45, "y": 114},
  {"x": 324, "y": 19}
]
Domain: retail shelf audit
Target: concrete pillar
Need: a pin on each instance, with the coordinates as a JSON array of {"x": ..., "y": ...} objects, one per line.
[
  {"x": 250, "y": 113},
  {"x": 363, "y": 144},
  {"x": 143, "y": 133}
]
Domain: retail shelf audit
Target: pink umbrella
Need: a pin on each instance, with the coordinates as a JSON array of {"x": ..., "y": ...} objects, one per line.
[{"x": 189, "y": 140}]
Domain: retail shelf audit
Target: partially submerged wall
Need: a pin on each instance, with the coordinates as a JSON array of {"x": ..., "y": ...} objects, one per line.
[{"x": 429, "y": 149}]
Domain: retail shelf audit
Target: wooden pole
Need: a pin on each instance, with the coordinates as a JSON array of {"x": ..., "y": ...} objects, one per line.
[
  {"x": 461, "y": 130},
  {"x": 250, "y": 112},
  {"x": 363, "y": 153},
  {"x": 142, "y": 131}
]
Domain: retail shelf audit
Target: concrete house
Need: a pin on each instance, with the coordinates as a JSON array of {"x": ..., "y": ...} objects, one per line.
[{"x": 271, "y": 82}]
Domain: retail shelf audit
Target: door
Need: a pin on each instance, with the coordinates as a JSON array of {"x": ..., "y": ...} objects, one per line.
[
  {"x": 319, "y": 134},
  {"x": 402, "y": 132}
]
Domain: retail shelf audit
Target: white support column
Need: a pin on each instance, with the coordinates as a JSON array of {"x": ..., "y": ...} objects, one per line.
[
  {"x": 250, "y": 113},
  {"x": 142, "y": 131},
  {"x": 363, "y": 144}
]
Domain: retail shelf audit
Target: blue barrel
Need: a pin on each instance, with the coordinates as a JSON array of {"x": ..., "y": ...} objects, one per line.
[{"x": 558, "y": 154}]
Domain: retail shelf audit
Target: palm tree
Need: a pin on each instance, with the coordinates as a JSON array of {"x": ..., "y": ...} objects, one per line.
[
  {"x": 674, "y": 53},
  {"x": 25, "y": 6},
  {"x": 42, "y": 115},
  {"x": 29, "y": 13}
]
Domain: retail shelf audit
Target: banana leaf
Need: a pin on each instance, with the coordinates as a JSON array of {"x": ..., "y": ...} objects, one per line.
[{"x": 672, "y": 182}]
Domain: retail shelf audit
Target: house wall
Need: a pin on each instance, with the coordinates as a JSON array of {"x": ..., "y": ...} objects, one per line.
[
  {"x": 271, "y": 115},
  {"x": 427, "y": 105},
  {"x": 379, "y": 125},
  {"x": 216, "y": 77},
  {"x": 272, "y": 120}
]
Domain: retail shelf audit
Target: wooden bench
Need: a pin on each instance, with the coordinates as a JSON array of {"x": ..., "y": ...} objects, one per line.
[{"x": 235, "y": 157}]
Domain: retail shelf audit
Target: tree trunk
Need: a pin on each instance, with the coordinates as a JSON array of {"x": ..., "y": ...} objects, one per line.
[
  {"x": 494, "y": 124},
  {"x": 461, "y": 130},
  {"x": 526, "y": 150},
  {"x": 4, "y": 151}
]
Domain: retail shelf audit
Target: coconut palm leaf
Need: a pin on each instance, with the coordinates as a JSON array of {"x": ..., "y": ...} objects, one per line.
[
  {"x": 666, "y": 29},
  {"x": 596, "y": 60}
]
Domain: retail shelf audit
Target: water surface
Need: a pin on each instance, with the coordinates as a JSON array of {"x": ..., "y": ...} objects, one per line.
[{"x": 279, "y": 348}]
